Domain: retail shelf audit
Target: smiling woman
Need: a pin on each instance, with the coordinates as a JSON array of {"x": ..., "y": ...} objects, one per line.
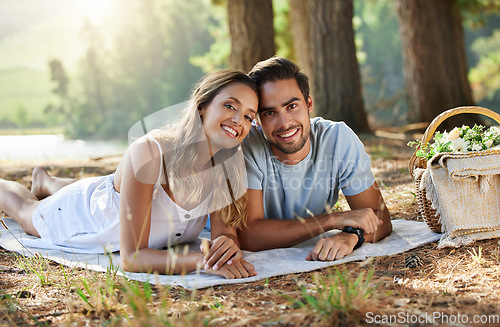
[{"x": 166, "y": 184}]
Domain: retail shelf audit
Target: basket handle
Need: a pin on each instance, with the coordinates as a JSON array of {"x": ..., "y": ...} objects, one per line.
[{"x": 417, "y": 162}]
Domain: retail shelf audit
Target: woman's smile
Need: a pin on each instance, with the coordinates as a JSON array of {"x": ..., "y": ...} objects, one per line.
[{"x": 230, "y": 131}]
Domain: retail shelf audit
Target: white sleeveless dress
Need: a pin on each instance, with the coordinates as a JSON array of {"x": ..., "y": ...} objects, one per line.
[{"x": 83, "y": 217}]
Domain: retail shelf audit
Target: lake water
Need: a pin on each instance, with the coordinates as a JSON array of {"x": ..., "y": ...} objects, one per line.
[{"x": 46, "y": 147}]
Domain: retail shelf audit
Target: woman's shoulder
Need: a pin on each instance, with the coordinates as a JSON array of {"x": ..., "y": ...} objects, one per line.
[
  {"x": 151, "y": 145},
  {"x": 146, "y": 155}
]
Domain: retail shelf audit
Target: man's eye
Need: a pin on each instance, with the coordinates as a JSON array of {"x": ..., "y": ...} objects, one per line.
[
  {"x": 293, "y": 106},
  {"x": 268, "y": 113}
]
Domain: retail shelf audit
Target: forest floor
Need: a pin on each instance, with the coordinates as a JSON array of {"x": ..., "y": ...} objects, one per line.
[{"x": 452, "y": 286}]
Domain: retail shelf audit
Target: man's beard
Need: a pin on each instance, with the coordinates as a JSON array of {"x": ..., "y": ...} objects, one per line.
[{"x": 295, "y": 147}]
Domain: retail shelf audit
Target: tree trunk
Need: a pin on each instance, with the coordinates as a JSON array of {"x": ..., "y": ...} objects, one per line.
[
  {"x": 299, "y": 24},
  {"x": 331, "y": 58},
  {"x": 434, "y": 60},
  {"x": 252, "y": 32}
]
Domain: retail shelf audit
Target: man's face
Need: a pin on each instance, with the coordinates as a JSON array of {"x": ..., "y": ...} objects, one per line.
[{"x": 284, "y": 118}]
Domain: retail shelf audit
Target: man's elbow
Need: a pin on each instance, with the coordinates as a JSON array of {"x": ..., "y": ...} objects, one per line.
[
  {"x": 248, "y": 240},
  {"x": 244, "y": 240},
  {"x": 383, "y": 231}
]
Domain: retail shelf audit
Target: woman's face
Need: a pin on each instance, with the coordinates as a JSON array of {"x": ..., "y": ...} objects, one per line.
[{"x": 228, "y": 117}]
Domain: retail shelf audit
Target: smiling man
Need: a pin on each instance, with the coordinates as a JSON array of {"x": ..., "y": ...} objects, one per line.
[{"x": 297, "y": 165}]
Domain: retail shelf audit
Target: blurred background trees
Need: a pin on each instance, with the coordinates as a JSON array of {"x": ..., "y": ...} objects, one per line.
[
  {"x": 325, "y": 39},
  {"x": 435, "y": 65},
  {"x": 252, "y": 32},
  {"x": 371, "y": 63}
]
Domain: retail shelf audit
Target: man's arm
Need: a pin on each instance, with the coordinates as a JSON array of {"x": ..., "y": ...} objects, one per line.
[
  {"x": 342, "y": 244},
  {"x": 372, "y": 198},
  {"x": 263, "y": 234}
]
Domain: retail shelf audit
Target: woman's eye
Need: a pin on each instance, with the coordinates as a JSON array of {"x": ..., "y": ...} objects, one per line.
[{"x": 250, "y": 119}]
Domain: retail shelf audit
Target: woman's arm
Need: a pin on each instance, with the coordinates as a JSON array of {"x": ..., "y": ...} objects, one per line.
[
  {"x": 137, "y": 178},
  {"x": 136, "y": 187},
  {"x": 224, "y": 251}
]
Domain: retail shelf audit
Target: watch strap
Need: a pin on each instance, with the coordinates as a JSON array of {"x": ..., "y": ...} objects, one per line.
[{"x": 358, "y": 232}]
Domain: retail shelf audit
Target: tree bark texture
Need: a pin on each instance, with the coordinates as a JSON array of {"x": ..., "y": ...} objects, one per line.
[
  {"x": 252, "y": 32},
  {"x": 331, "y": 59},
  {"x": 435, "y": 65},
  {"x": 299, "y": 24}
]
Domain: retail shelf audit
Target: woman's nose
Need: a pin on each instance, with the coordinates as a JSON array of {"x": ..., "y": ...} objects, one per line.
[{"x": 236, "y": 119}]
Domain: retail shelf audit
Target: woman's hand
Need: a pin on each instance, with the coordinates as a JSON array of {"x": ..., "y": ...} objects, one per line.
[
  {"x": 223, "y": 250},
  {"x": 239, "y": 269}
]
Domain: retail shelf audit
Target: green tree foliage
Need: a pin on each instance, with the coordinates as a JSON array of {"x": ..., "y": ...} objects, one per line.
[
  {"x": 485, "y": 76},
  {"x": 476, "y": 12},
  {"x": 484, "y": 53},
  {"x": 381, "y": 63},
  {"x": 56, "y": 113},
  {"x": 137, "y": 63},
  {"x": 282, "y": 31},
  {"x": 217, "y": 55}
]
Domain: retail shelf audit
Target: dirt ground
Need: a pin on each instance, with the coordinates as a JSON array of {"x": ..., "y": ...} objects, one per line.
[{"x": 457, "y": 287}]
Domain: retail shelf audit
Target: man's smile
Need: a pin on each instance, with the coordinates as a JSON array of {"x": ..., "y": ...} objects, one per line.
[{"x": 288, "y": 134}]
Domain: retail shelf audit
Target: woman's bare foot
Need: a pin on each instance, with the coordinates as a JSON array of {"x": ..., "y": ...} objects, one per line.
[
  {"x": 44, "y": 185},
  {"x": 39, "y": 179}
]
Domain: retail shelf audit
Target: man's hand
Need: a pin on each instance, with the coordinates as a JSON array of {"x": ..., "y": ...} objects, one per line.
[
  {"x": 360, "y": 218},
  {"x": 220, "y": 251},
  {"x": 240, "y": 269},
  {"x": 333, "y": 248}
]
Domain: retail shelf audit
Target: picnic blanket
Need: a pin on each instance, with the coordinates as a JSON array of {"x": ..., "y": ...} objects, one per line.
[{"x": 405, "y": 236}]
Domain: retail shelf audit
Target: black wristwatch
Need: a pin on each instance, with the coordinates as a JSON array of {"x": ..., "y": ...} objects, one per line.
[{"x": 357, "y": 231}]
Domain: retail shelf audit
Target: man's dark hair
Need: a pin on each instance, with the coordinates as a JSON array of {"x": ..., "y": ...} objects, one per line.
[{"x": 278, "y": 68}]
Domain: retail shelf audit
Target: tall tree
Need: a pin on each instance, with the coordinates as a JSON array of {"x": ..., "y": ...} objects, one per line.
[
  {"x": 252, "y": 32},
  {"x": 435, "y": 65},
  {"x": 324, "y": 44},
  {"x": 301, "y": 31}
]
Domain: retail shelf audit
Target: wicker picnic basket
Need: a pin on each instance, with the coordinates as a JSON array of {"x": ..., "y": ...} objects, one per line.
[{"x": 426, "y": 208}]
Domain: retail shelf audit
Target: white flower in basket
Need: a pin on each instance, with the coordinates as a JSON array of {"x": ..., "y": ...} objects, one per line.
[{"x": 459, "y": 145}]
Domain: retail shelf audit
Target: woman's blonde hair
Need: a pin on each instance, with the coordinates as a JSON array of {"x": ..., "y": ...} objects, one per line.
[{"x": 229, "y": 188}]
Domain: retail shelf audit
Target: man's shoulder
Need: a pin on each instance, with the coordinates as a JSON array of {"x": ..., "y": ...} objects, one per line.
[
  {"x": 323, "y": 128},
  {"x": 254, "y": 145},
  {"x": 254, "y": 137}
]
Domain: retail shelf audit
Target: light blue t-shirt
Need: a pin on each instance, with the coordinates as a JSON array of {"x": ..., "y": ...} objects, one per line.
[{"x": 336, "y": 160}]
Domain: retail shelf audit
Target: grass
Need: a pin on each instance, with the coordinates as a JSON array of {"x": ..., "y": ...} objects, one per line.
[
  {"x": 118, "y": 301},
  {"x": 37, "y": 266},
  {"x": 337, "y": 298},
  {"x": 477, "y": 257},
  {"x": 24, "y": 91}
]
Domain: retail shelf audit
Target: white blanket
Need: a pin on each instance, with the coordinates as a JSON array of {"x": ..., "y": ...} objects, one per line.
[{"x": 406, "y": 235}]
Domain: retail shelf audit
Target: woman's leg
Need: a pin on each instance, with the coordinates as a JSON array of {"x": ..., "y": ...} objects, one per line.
[
  {"x": 44, "y": 185},
  {"x": 18, "y": 203}
]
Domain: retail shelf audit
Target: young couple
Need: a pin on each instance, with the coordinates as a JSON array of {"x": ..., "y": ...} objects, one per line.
[{"x": 171, "y": 178}]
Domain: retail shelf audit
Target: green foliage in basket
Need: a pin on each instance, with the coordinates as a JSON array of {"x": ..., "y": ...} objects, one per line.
[{"x": 460, "y": 139}]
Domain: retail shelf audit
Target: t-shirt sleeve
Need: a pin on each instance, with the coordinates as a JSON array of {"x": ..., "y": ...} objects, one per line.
[
  {"x": 354, "y": 174},
  {"x": 255, "y": 176}
]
